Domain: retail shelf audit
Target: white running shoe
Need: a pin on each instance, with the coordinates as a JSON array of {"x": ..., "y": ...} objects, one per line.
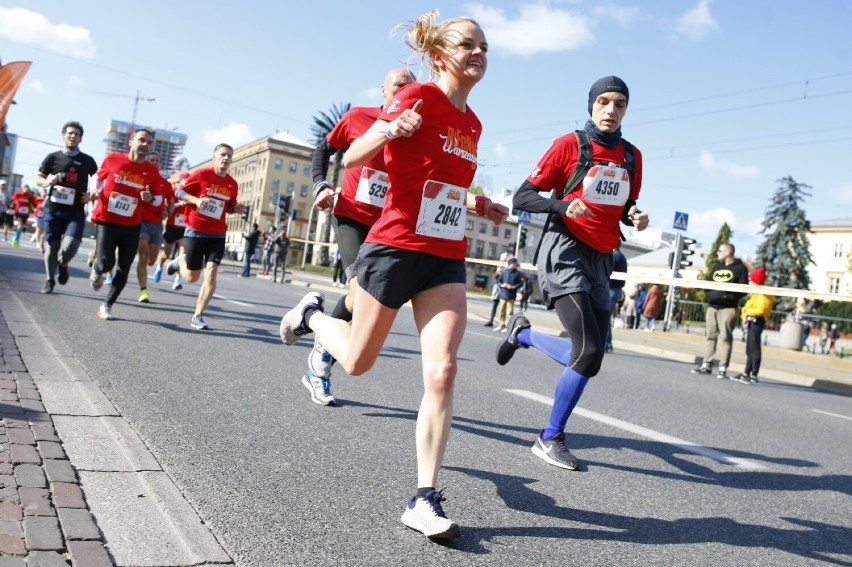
[
  {"x": 426, "y": 515},
  {"x": 293, "y": 324},
  {"x": 320, "y": 389},
  {"x": 105, "y": 312}
]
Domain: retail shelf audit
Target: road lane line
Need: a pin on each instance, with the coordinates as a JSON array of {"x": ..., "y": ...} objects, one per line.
[
  {"x": 833, "y": 414},
  {"x": 649, "y": 433},
  {"x": 234, "y": 301}
]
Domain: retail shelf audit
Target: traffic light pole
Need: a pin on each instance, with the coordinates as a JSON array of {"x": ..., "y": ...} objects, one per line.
[{"x": 678, "y": 246}]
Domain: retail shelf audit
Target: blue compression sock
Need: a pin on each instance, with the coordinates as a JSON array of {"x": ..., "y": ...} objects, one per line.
[
  {"x": 557, "y": 348},
  {"x": 568, "y": 391}
]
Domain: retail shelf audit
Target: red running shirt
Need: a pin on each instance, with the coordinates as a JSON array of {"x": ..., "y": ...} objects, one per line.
[
  {"x": 24, "y": 203},
  {"x": 153, "y": 211},
  {"x": 604, "y": 190},
  {"x": 429, "y": 176},
  {"x": 360, "y": 201},
  {"x": 221, "y": 193},
  {"x": 123, "y": 181}
]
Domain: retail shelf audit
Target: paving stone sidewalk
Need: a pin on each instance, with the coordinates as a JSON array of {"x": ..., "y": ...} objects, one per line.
[{"x": 44, "y": 518}]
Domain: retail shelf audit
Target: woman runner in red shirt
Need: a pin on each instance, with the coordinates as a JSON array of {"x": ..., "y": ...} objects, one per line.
[{"x": 416, "y": 249}]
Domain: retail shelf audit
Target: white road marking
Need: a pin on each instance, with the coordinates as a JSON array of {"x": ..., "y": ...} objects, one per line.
[
  {"x": 650, "y": 433},
  {"x": 234, "y": 301},
  {"x": 833, "y": 414}
]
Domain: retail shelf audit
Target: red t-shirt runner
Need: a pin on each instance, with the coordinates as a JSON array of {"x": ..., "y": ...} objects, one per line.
[
  {"x": 605, "y": 189},
  {"x": 429, "y": 175},
  {"x": 221, "y": 193},
  {"x": 24, "y": 203},
  {"x": 153, "y": 211},
  {"x": 124, "y": 180},
  {"x": 364, "y": 187}
]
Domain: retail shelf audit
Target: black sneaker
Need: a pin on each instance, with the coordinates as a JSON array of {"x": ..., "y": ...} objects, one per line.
[
  {"x": 48, "y": 286},
  {"x": 703, "y": 369},
  {"x": 63, "y": 275},
  {"x": 555, "y": 452},
  {"x": 507, "y": 347},
  {"x": 426, "y": 515}
]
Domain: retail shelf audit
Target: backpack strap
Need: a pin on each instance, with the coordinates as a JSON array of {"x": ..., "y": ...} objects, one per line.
[{"x": 584, "y": 163}]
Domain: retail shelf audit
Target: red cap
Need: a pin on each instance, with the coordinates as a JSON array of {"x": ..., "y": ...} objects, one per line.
[{"x": 758, "y": 276}]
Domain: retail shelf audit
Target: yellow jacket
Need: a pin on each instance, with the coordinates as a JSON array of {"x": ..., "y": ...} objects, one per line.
[{"x": 758, "y": 305}]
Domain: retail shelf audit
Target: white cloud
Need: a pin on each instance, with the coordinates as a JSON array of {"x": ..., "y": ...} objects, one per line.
[
  {"x": 233, "y": 134},
  {"x": 538, "y": 28},
  {"x": 372, "y": 93},
  {"x": 499, "y": 150},
  {"x": 37, "y": 86},
  {"x": 697, "y": 22},
  {"x": 32, "y": 28},
  {"x": 709, "y": 162},
  {"x": 621, "y": 14},
  {"x": 75, "y": 81}
]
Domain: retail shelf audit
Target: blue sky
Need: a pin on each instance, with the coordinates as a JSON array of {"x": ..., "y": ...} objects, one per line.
[{"x": 726, "y": 96}]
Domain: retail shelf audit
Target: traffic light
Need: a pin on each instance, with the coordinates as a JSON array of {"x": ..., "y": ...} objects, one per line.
[
  {"x": 522, "y": 241},
  {"x": 247, "y": 213},
  {"x": 680, "y": 258},
  {"x": 284, "y": 202}
]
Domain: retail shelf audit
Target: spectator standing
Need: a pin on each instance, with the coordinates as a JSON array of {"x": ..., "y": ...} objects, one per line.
[
  {"x": 833, "y": 336},
  {"x": 510, "y": 283},
  {"x": 526, "y": 292},
  {"x": 616, "y": 290},
  {"x": 268, "y": 252},
  {"x": 338, "y": 277},
  {"x": 495, "y": 289},
  {"x": 630, "y": 307},
  {"x": 722, "y": 312},
  {"x": 652, "y": 306},
  {"x": 641, "y": 294},
  {"x": 755, "y": 312},
  {"x": 248, "y": 252},
  {"x": 280, "y": 247}
]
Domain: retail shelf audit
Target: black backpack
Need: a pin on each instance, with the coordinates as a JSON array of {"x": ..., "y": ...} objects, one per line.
[{"x": 584, "y": 164}]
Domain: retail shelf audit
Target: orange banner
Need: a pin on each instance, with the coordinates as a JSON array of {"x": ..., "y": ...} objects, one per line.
[{"x": 11, "y": 77}]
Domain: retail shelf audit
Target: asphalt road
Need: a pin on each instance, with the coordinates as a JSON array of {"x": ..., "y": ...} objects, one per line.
[{"x": 679, "y": 469}]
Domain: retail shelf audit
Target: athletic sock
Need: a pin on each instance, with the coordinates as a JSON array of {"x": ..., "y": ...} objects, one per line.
[
  {"x": 423, "y": 491},
  {"x": 568, "y": 391},
  {"x": 557, "y": 348}
]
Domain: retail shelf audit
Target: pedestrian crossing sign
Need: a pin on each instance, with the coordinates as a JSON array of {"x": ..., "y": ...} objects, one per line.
[
  {"x": 680, "y": 221},
  {"x": 524, "y": 217}
]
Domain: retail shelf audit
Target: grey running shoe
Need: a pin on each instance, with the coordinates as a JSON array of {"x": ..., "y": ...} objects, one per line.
[
  {"x": 48, "y": 286},
  {"x": 198, "y": 323},
  {"x": 174, "y": 266},
  {"x": 320, "y": 361},
  {"x": 105, "y": 312},
  {"x": 703, "y": 369},
  {"x": 507, "y": 347},
  {"x": 293, "y": 323},
  {"x": 96, "y": 280},
  {"x": 427, "y": 517},
  {"x": 555, "y": 452},
  {"x": 320, "y": 389}
]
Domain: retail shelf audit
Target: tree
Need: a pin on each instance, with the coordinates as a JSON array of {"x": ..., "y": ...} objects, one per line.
[
  {"x": 786, "y": 251},
  {"x": 323, "y": 124}
]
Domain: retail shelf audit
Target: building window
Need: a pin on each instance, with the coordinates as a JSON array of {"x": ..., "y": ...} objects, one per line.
[
  {"x": 492, "y": 251},
  {"x": 306, "y": 171},
  {"x": 508, "y": 234},
  {"x": 469, "y": 224},
  {"x": 480, "y": 249},
  {"x": 276, "y": 186},
  {"x": 294, "y": 167},
  {"x": 838, "y": 250},
  {"x": 303, "y": 191},
  {"x": 279, "y": 163},
  {"x": 495, "y": 230},
  {"x": 291, "y": 186},
  {"x": 482, "y": 228},
  {"x": 833, "y": 285},
  {"x": 469, "y": 247}
]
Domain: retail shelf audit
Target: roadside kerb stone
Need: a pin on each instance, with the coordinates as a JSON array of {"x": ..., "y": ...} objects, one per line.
[
  {"x": 30, "y": 475},
  {"x": 42, "y": 533},
  {"x": 78, "y": 524}
]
